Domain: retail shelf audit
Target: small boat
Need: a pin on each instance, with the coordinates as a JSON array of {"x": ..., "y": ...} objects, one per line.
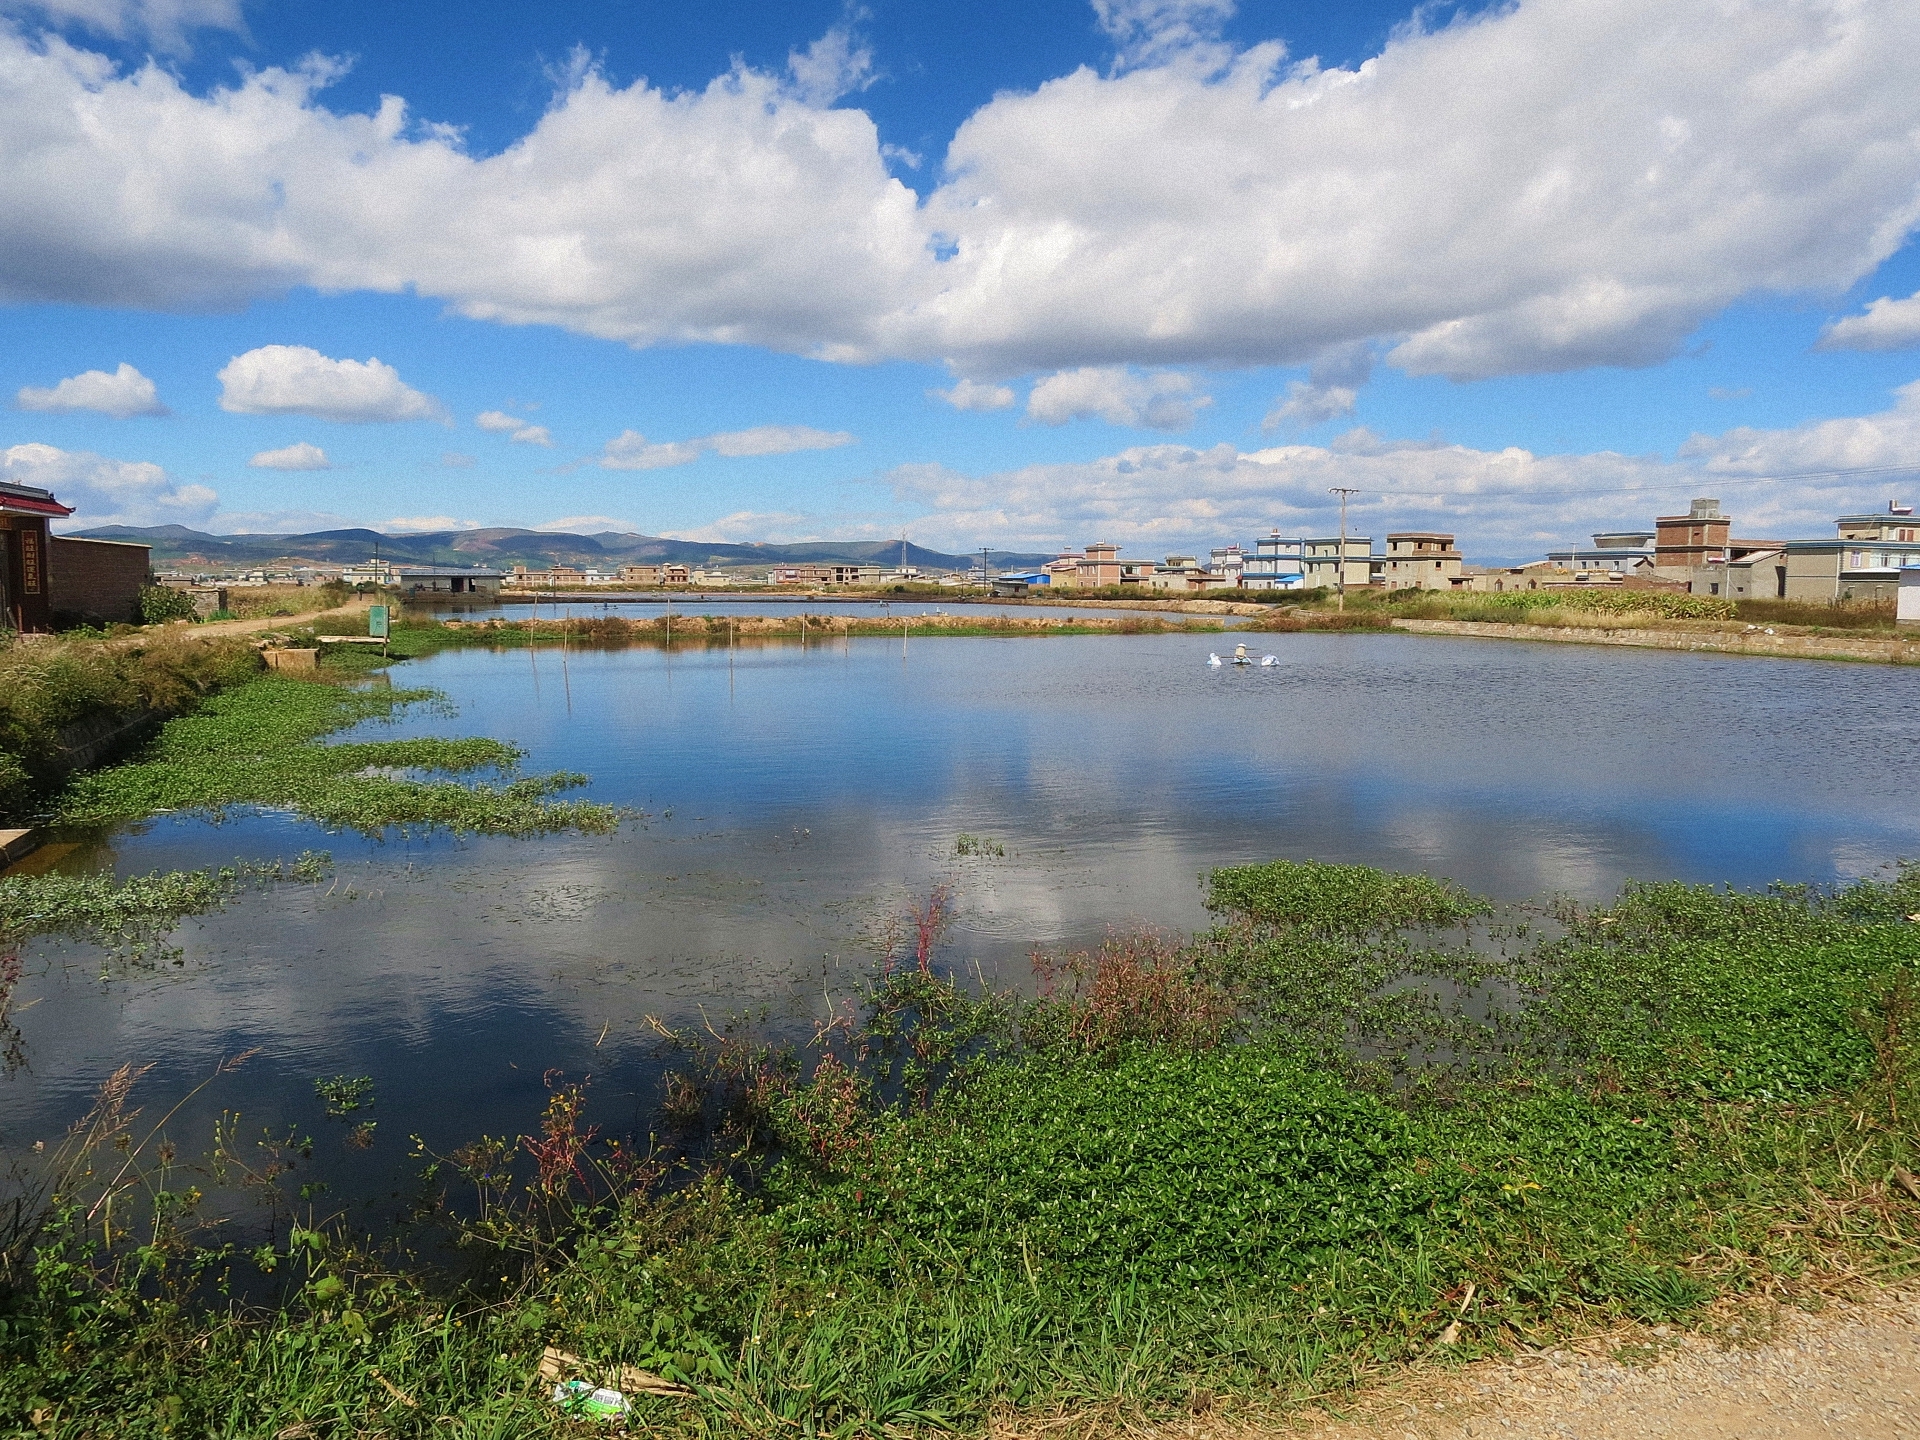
[{"x": 1240, "y": 656}]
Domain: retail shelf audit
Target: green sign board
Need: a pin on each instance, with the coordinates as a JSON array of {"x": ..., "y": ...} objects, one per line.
[{"x": 377, "y": 621}]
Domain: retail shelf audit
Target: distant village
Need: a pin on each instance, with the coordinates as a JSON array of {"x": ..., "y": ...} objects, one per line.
[
  {"x": 1695, "y": 553},
  {"x": 47, "y": 579}
]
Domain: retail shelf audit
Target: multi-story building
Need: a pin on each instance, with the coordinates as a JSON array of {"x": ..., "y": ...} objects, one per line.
[
  {"x": 1862, "y": 562},
  {"x": 1626, "y": 553},
  {"x": 1325, "y": 567},
  {"x": 1228, "y": 564},
  {"x": 1420, "y": 560},
  {"x": 1275, "y": 564}
]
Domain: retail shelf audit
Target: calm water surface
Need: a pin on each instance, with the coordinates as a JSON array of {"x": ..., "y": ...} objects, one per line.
[{"x": 791, "y": 805}]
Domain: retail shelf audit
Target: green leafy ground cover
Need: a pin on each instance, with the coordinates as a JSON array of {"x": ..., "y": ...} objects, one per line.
[
  {"x": 1359, "y": 1123},
  {"x": 263, "y": 743}
]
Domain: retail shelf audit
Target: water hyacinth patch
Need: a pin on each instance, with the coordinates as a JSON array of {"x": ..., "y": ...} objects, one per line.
[{"x": 261, "y": 744}]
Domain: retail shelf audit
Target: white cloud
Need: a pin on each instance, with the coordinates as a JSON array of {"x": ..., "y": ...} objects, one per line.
[
  {"x": 298, "y": 456},
  {"x": 589, "y": 525},
  {"x": 107, "y": 492},
  {"x": 278, "y": 522},
  {"x": 972, "y": 395},
  {"x": 833, "y": 66},
  {"x": 163, "y": 23},
  {"x": 425, "y": 524},
  {"x": 1479, "y": 197},
  {"x": 297, "y": 380},
  {"x": 1158, "y": 498},
  {"x": 515, "y": 428},
  {"x": 1147, "y": 32},
  {"x": 1163, "y": 401},
  {"x": 743, "y": 527},
  {"x": 773, "y": 440},
  {"x": 123, "y": 394},
  {"x": 1330, "y": 391},
  {"x": 1889, "y": 324},
  {"x": 630, "y": 450}
]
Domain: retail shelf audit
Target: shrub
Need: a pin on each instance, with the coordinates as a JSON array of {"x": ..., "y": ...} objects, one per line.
[{"x": 160, "y": 603}]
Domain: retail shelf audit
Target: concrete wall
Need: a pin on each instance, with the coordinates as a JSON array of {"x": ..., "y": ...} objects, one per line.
[
  {"x": 1908, "y": 612},
  {"x": 96, "y": 581}
]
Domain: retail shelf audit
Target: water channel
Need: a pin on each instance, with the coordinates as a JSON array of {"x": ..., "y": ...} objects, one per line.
[{"x": 790, "y": 804}]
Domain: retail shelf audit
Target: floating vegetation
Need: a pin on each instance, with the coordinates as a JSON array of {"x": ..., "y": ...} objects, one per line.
[
  {"x": 976, "y": 845},
  {"x": 261, "y": 744},
  {"x": 344, "y": 1094},
  {"x": 131, "y": 918}
]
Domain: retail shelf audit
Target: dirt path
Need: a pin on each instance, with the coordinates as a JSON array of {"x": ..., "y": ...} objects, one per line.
[
  {"x": 210, "y": 629},
  {"x": 1853, "y": 1370}
]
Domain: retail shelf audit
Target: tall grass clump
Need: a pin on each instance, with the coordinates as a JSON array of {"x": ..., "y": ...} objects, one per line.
[{"x": 49, "y": 685}]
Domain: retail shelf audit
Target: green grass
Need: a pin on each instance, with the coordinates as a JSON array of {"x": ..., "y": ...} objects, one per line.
[
  {"x": 1234, "y": 1174},
  {"x": 261, "y": 744}
]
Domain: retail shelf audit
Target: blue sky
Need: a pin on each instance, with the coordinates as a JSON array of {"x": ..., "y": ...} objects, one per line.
[{"x": 1153, "y": 271}]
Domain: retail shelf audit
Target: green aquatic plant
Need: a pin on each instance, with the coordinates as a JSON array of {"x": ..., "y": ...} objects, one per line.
[
  {"x": 131, "y": 918},
  {"x": 262, "y": 744},
  {"x": 344, "y": 1094}
]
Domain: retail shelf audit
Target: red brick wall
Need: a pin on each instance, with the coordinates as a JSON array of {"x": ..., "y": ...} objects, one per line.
[{"x": 96, "y": 580}]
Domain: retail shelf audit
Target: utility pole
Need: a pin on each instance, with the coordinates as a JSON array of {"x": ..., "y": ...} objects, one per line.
[
  {"x": 1341, "y": 571},
  {"x": 986, "y": 575}
]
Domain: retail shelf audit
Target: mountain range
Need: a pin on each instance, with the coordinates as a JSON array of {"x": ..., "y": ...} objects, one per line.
[{"x": 176, "y": 546}]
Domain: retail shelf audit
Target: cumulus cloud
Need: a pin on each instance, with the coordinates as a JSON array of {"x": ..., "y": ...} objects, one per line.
[
  {"x": 630, "y": 450},
  {"x": 1163, "y": 401},
  {"x": 297, "y": 380},
  {"x": 498, "y": 422},
  {"x": 103, "y": 491},
  {"x": 1329, "y": 392},
  {"x": 972, "y": 395},
  {"x": 1148, "y": 32},
  {"x": 163, "y": 23},
  {"x": 589, "y": 525},
  {"x": 834, "y": 66},
  {"x": 298, "y": 456},
  {"x": 1157, "y": 498},
  {"x": 745, "y": 526},
  {"x": 123, "y": 394},
  {"x": 1889, "y": 324},
  {"x": 1478, "y": 197},
  {"x": 425, "y": 524},
  {"x": 774, "y": 440}
]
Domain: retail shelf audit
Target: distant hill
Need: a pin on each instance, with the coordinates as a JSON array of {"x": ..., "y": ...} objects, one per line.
[{"x": 176, "y": 545}]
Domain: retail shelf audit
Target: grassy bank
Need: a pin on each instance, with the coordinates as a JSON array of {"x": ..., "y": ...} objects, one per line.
[
  {"x": 49, "y": 686},
  {"x": 1327, "y": 1137}
]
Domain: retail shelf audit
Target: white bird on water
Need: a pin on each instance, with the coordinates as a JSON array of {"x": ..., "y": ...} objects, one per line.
[{"x": 1213, "y": 659}]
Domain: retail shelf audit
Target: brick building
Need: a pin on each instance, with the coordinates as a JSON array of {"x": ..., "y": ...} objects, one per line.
[{"x": 97, "y": 582}]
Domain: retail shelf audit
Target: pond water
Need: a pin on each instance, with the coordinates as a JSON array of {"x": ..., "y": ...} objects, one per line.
[
  {"x": 790, "y": 805},
  {"x": 652, "y": 607}
]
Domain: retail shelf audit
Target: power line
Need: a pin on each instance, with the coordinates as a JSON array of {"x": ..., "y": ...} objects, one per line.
[{"x": 1697, "y": 480}]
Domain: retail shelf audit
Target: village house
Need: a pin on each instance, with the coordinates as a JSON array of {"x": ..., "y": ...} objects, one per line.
[
  {"x": 425, "y": 579},
  {"x": 1324, "y": 565},
  {"x": 1862, "y": 562},
  {"x": 1623, "y": 553},
  {"x": 1420, "y": 560},
  {"x": 1275, "y": 564}
]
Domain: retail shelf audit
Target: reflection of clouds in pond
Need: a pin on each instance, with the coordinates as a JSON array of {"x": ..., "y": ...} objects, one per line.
[{"x": 815, "y": 796}]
